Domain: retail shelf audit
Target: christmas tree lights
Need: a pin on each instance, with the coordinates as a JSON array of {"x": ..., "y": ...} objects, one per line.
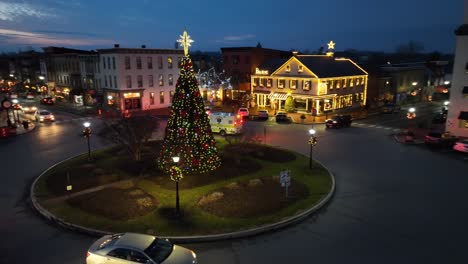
[{"x": 188, "y": 132}]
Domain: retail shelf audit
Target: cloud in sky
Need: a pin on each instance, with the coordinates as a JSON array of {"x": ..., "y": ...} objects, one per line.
[
  {"x": 236, "y": 38},
  {"x": 8, "y": 36},
  {"x": 14, "y": 11}
]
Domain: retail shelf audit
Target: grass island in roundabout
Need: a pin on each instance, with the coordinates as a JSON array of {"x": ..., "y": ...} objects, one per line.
[{"x": 114, "y": 193}]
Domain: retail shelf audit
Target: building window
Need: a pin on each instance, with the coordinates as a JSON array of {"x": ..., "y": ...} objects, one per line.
[
  {"x": 362, "y": 97},
  {"x": 160, "y": 62},
  {"x": 128, "y": 79},
  {"x": 108, "y": 63},
  {"x": 293, "y": 84},
  {"x": 300, "y": 68},
  {"x": 171, "y": 79},
  {"x": 288, "y": 68},
  {"x": 115, "y": 81},
  {"x": 254, "y": 82},
  {"x": 351, "y": 82},
  {"x": 235, "y": 59},
  {"x": 138, "y": 63},
  {"x": 169, "y": 62},
  {"x": 105, "y": 80},
  {"x": 171, "y": 95},
  {"x": 358, "y": 81},
  {"x": 161, "y": 97},
  {"x": 150, "y": 81},
  {"x": 268, "y": 84},
  {"x": 345, "y": 81},
  {"x": 150, "y": 62},
  {"x": 161, "y": 80},
  {"x": 151, "y": 98},
  {"x": 281, "y": 83},
  {"x": 113, "y": 62},
  {"x": 338, "y": 84},
  {"x": 306, "y": 86},
  {"x": 140, "y": 81},
  {"x": 110, "y": 81},
  {"x": 103, "y": 62},
  {"x": 261, "y": 82},
  {"x": 127, "y": 63}
]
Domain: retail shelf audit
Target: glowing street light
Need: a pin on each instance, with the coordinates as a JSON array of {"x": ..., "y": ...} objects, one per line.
[
  {"x": 176, "y": 175},
  {"x": 412, "y": 110},
  {"x": 312, "y": 143},
  {"x": 41, "y": 78},
  {"x": 87, "y": 134},
  {"x": 446, "y": 82},
  {"x": 414, "y": 83},
  {"x": 446, "y": 103}
]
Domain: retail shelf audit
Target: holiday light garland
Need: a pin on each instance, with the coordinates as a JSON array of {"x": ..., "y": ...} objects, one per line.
[{"x": 188, "y": 132}]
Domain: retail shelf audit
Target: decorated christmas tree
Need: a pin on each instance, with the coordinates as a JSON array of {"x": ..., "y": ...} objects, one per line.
[{"x": 188, "y": 132}]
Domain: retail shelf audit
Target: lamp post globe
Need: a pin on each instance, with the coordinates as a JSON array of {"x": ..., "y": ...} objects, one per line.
[
  {"x": 312, "y": 131},
  {"x": 446, "y": 103},
  {"x": 312, "y": 142},
  {"x": 87, "y": 134},
  {"x": 412, "y": 110}
]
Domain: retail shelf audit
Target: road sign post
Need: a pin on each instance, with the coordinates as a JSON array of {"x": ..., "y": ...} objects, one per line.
[{"x": 285, "y": 180}]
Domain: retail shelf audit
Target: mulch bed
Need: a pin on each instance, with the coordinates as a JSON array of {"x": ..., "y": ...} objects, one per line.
[
  {"x": 115, "y": 203},
  {"x": 244, "y": 201}
]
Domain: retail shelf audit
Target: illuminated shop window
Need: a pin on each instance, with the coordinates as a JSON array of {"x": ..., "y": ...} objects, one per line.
[
  {"x": 151, "y": 98},
  {"x": 170, "y": 79},
  {"x": 268, "y": 84},
  {"x": 161, "y": 97}
]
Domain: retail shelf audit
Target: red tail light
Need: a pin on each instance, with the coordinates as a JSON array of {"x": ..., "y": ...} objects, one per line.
[
  {"x": 87, "y": 254},
  {"x": 235, "y": 123}
]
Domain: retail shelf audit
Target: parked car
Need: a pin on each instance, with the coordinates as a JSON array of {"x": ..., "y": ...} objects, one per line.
[
  {"x": 47, "y": 101},
  {"x": 31, "y": 109},
  {"x": 43, "y": 115},
  {"x": 263, "y": 115},
  {"x": 137, "y": 248},
  {"x": 29, "y": 96},
  {"x": 243, "y": 112},
  {"x": 13, "y": 95},
  {"x": 461, "y": 146},
  {"x": 339, "y": 121},
  {"x": 282, "y": 117},
  {"x": 435, "y": 138},
  {"x": 390, "y": 108}
]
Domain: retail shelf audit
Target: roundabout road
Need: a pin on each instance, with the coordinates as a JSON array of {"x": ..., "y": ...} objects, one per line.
[{"x": 393, "y": 203}]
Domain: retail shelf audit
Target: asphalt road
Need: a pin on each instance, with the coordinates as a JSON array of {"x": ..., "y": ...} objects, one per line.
[{"x": 393, "y": 204}]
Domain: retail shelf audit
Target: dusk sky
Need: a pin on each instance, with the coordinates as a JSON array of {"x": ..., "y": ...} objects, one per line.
[{"x": 295, "y": 24}]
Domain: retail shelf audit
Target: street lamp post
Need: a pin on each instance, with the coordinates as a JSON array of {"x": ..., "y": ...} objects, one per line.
[
  {"x": 87, "y": 134},
  {"x": 410, "y": 115},
  {"x": 176, "y": 175},
  {"x": 312, "y": 142}
]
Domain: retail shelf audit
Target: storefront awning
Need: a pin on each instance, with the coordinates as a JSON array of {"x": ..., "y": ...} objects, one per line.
[
  {"x": 278, "y": 96},
  {"x": 465, "y": 90},
  {"x": 463, "y": 116}
]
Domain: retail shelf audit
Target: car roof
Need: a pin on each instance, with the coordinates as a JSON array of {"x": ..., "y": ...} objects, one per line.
[{"x": 133, "y": 240}]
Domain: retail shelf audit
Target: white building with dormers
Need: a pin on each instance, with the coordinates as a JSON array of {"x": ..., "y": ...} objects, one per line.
[
  {"x": 318, "y": 83},
  {"x": 457, "y": 117},
  {"x": 136, "y": 79}
]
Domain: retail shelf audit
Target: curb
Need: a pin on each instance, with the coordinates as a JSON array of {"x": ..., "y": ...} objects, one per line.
[{"x": 186, "y": 239}]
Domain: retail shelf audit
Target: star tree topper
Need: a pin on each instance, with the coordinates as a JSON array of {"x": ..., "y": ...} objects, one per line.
[
  {"x": 185, "y": 41},
  {"x": 331, "y": 45}
]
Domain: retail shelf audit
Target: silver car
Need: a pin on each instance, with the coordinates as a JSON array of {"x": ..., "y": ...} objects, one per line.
[
  {"x": 138, "y": 248},
  {"x": 43, "y": 115}
]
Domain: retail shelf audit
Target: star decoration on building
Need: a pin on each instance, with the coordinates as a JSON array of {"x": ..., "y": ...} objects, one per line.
[
  {"x": 185, "y": 41},
  {"x": 331, "y": 45}
]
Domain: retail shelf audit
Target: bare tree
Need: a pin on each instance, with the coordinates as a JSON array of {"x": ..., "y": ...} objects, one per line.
[{"x": 132, "y": 133}]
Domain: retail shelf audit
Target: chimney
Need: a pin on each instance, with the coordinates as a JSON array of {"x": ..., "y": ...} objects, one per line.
[
  {"x": 116, "y": 46},
  {"x": 143, "y": 46}
]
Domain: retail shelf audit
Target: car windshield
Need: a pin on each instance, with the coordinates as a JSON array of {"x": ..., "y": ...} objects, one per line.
[
  {"x": 44, "y": 113},
  {"x": 159, "y": 250}
]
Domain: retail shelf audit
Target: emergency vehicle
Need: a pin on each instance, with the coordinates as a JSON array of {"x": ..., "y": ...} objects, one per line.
[{"x": 226, "y": 123}]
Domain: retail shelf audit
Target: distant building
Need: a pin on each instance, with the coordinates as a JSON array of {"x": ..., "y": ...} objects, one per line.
[
  {"x": 25, "y": 66},
  {"x": 457, "y": 118},
  {"x": 240, "y": 63},
  {"x": 318, "y": 84},
  {"x": 138, "y": 78},
  {"x": 70, "y": 71}
]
